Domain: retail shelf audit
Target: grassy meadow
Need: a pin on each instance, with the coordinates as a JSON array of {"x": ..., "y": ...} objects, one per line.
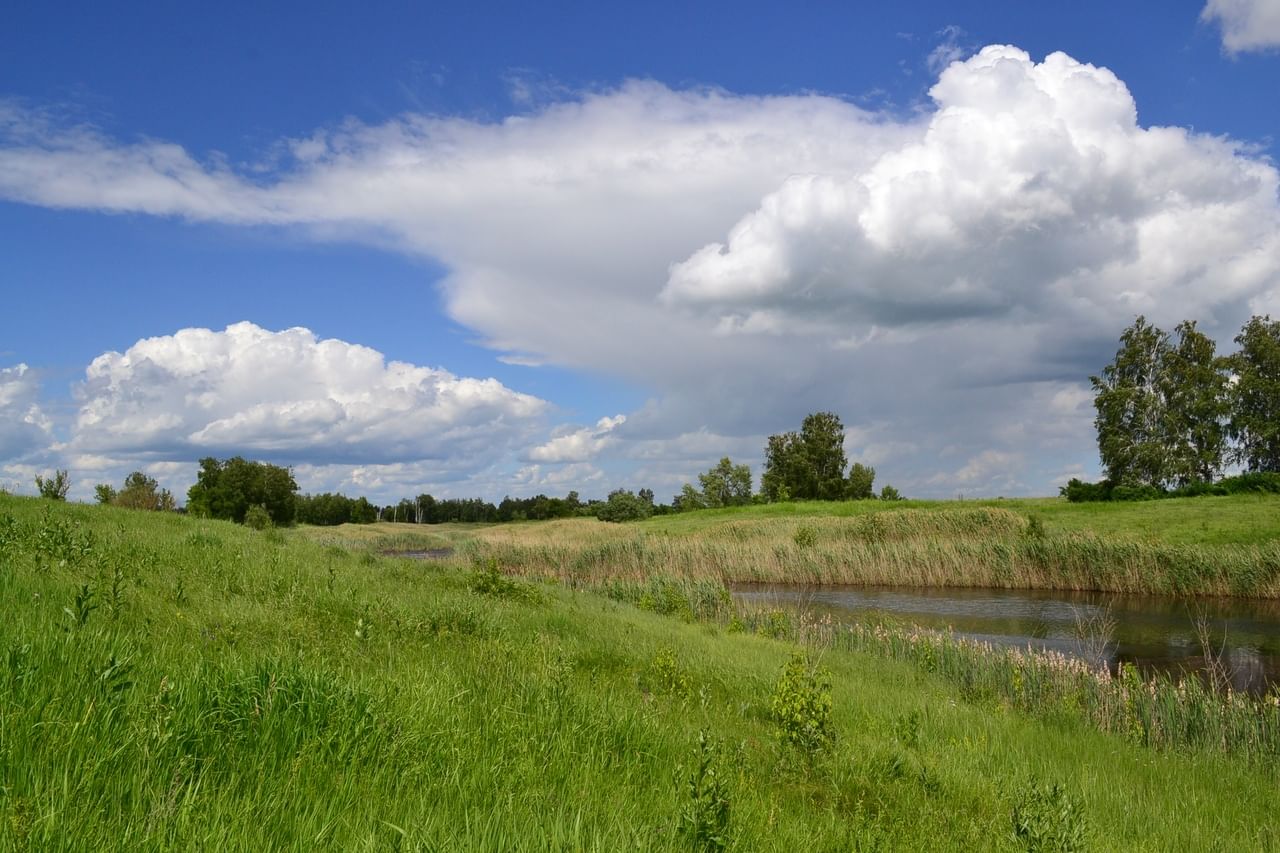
[
  {"x": 173, "y": 684},
  {"x": 1190, "y": 546}
]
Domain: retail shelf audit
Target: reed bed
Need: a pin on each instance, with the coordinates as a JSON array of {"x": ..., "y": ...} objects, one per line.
[
  {"x": 980, "y": 547},
  {"x": 1155, "y": 711}
]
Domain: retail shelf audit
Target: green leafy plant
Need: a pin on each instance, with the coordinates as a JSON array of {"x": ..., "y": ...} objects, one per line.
[
  {"x": 665, "y": 675},
  {"x": 704, "y": 822},
  {"x": 805, "y": 536},
  {"x": 82, "y": 605},
  {"x": 801, "y": 706},
  {"x": 488, "y": 579},
  {"x": 1046, "y": 819},
  {"x": 257, "y": 517}
]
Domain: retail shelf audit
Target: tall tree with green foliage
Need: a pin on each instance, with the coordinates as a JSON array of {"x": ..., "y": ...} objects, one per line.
[
  {"x": 783, "y": 464},
  {"x": 822, "y": 435},
  {"x": 808, "y": 465},
  {"x": 726, "y": 484},
  {"x": 1130, "y": 408},
  {"x": 1192, "y": 383},
  {"x": 861, "y": 480},
  {"x": 226, "y": 489},
  {"x": 1255, "y": 397}
]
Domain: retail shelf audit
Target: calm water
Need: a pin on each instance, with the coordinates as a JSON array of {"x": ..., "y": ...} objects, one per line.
[{"x": 1154, "y": 632}]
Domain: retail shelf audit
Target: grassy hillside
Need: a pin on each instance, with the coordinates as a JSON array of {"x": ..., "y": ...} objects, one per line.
[
  {"x": 1219, "y": 546},
  {"x": 171, "y": 683}
]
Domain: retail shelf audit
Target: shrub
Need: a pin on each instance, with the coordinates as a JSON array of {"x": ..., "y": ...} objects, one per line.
[
  {"x": 257, "y": 517},
  {"x": 805, "y": 536},
  {"x": 54, "y": 488},
  {"x": 624, "y": 505},
  {"x": 801, "y": 706},
  {"x": 1078, "y": 491},
  {"x": 1136, "y": 493}
]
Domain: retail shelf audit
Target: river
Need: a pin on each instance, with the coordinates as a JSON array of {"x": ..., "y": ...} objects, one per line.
[{"x": 1155, "y": 633}]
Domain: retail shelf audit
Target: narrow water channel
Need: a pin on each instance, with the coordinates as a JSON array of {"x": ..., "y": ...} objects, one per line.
[{"x": 1156, "y": 633}]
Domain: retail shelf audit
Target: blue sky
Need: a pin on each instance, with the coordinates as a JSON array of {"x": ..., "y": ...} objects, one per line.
[{"x": 578, "y": 246}]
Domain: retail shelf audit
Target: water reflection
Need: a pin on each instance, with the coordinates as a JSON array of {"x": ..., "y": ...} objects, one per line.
[{"x": 1155, "y": 633}]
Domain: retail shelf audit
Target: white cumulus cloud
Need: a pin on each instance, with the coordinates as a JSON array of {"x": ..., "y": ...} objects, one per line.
[
  {"x": 1033, "y": 193},
  {"x": 289, "y": 396},
  {"x": 24, "y": 426},
  {"x": 578, "y": 445}
]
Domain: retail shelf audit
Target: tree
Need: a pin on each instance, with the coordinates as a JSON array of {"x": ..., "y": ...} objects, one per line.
[
  {"x": 1130, "y": 411},
  {"x": 54, "y": 488},
  {"x": 808, "y": 465},
  {"x": 1193, "y": 389},
  {"x": 783, "y": 466},
  {"x": 889, "y": 493},
  {"x": 226, "y": 489},
  {"x": 143, "y": 492},
  {"x": 623, "y": 505},
  {"x": 1255, "y": 397},
  {"x": 104, "y": 493},
  {"x": 861, "y": 479},
  {"x": 726, "y": 484},
  {"x": 688, "y": 499}
]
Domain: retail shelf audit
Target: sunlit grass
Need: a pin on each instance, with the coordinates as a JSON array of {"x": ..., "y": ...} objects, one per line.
[{"x": 225, "y": 689}]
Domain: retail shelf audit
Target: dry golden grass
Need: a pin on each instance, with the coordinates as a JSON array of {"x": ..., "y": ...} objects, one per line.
[{"x": 976, "y": 547}]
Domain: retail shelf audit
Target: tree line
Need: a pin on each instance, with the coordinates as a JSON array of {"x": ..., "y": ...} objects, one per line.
[
  {"x": 1172, "y": 414},
  {"x": 808, "y": 464}
]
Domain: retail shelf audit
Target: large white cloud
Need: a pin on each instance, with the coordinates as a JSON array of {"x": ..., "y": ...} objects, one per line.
[
  {"x": 291, "y": 397},
  {"x": 1033, "y": 194},
  {"x": 24, "y": 426},
  {"x": 940, "y": 281},
  {"x": 1246, "y": 24}
]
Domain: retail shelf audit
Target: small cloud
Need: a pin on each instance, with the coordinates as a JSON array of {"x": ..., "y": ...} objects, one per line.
[
  {"x": 1247, "y": 25},
  {"x": 948, "y": 50}
]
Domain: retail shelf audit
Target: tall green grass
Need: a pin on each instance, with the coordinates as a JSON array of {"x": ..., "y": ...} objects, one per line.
[{"x": 174, "y": 684}]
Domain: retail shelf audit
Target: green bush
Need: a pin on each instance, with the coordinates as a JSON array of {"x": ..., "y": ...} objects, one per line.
[
  {"x": 801, "y": 706},
  {"x": 257, "y": 517},
  {"x": 1078, "y": 491},
  {"x": 624, "y": 505}
]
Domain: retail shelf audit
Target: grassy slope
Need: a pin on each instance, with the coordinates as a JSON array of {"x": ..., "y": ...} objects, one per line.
[{"x": 244, "y": 690}]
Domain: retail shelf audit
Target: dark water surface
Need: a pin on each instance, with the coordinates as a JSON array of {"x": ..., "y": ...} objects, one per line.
[{"x": 1157, "y": 633}]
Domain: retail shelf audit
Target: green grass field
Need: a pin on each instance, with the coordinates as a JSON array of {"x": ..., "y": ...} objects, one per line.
[{"x": 176, "y": 684}]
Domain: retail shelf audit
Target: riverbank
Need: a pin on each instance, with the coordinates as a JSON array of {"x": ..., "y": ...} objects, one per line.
[
  {"x": 171, "y": 683},
  {"x": 1173, "y": 547}
]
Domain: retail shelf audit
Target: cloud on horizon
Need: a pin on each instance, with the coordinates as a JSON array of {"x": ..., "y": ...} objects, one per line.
[{"x": 946, "y": 282}]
